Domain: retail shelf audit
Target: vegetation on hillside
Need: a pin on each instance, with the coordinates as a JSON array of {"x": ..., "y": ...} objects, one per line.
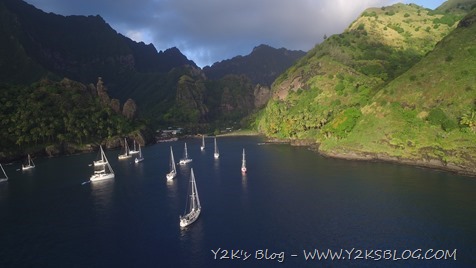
[
  {"x": 383, "y": 90},
  {"x": 50, "y": 113}
]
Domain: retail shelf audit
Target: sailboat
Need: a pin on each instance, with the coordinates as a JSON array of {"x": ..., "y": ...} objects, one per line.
[
  {"x": 127, "y": 153},
  {"x": 185, "y": 160},
  {"x": 4, "y": 177},
  {"x": 30, "y": 164},
  {"x": 243, "y": 163},
  {"x": 216, "y": 154},
  {"x": 173, "y": 169},
  {"x": 135, "y": 151},
  {"x": 101, "y": 161},
  {"x": 104, "y": 172},
  {"x": 203, "y": 143},
  {"x": 193, "y": 208},
  {"x": 140, "y": 158}
]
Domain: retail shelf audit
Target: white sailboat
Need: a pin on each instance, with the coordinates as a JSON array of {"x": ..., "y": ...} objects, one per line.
[
  {"x": 127, "y": 153},
  {"x": 185, "y": 160},
  {"x": 4, "y": 177},
  {"x": 216, "y": 154},
  {"x": 173, "y": 169},
  {"x": 193, "y": 208},
  {"x": 29, "y": 165},
  {"x": 104, "y": 171},
  {"x": 139, "y": 158},
  {"x": 101, "y": 161},
  {"x": 135, "y": 151},
  {"x": 203, "y": 143},
  {"x": 243, "y": 163}
]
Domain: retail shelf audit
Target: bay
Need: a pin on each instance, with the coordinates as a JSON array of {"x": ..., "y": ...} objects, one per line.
[{"x": 291, "y": 202}]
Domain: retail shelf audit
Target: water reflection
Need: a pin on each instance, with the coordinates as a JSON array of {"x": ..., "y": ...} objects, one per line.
[
  {"x": 191, "y": 242},
  {"x": 4, "y": 190},
  {"x": 101, "y": 192},
  {"x": 216, "y": 165},
  {"x": 244, "y": 182}
]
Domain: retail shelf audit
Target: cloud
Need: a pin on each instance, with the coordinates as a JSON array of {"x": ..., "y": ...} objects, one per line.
[{"x": 207, "y": 31}]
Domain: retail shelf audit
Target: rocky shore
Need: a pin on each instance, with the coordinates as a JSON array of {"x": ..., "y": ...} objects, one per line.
[
  {"x": 369, "y": 156},
  {"x": 427, "y": 163}
]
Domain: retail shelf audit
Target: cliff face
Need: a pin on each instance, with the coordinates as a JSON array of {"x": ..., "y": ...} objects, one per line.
[{"x": 261, "y": 66}]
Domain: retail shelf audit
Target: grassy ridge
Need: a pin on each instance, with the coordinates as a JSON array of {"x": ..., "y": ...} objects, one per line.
[
  {"x": 377, "y": 92},
  {"x": 420, "y": 114}
]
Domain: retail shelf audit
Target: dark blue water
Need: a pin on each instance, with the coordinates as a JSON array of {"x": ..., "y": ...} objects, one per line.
[{"x": 292, "y": 200}]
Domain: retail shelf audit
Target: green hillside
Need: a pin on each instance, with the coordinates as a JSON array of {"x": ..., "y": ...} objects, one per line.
[
  {"x": 381, "y": 90},
  {"x": 67, "y": 116}
]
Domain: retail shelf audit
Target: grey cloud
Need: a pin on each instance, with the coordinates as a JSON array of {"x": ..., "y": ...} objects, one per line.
[{"x": 207, "y": 31}]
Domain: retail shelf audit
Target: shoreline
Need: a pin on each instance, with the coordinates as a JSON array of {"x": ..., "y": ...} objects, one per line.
[
  {"x": 376, "y": 157},
  {"x": 434, "y": 164}
]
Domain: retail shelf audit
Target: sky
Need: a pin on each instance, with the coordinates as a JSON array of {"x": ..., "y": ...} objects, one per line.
[{"x": 207, "y": 31}]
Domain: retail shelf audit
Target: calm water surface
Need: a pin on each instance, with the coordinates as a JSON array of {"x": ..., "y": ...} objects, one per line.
[{"x": 292, "y": 200}]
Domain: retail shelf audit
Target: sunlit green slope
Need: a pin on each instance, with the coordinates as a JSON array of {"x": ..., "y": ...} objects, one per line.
[{"x": 382, "y": 90}]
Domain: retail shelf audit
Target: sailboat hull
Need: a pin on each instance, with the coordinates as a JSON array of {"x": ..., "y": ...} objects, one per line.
[
  {"x": 184, "y": 161},
  {"x": 100, "y": 177},
  {"x": 189, "y": 218},
  {"x": 137, "y": 160},
  {"x": 27, "y": 167},
  {"x": 171, "y": 175},
  {"x": 99, "y": 163}
]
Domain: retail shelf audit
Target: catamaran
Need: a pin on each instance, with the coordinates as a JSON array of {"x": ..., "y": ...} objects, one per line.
[
  {"x": 216, "y": 154},
  {"x": 101, "y": 161},
  {"x": 185, "y": 160},
  {"x": 193, "y": 208},
  {"x": 140, "y": 158},
  {"x": 104, "y": 171},
  {"x": 127, "y": 153},
  {"x": 4, "y": 177},
  {"x": 173, "y": 169},
  {"x": 243, "y": 163},
  {"x": 135, "y": 151},
  {"x": 29, "y": 165},
  {"x": 203, "y": 143}
]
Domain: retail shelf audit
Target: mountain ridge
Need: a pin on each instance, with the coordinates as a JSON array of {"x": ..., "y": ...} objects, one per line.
[
  {"x": 341, "y": 95},
  {"x": 262, "y": 65}
]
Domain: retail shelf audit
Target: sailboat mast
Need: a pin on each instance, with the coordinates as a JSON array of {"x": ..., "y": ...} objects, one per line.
[
  {"x": 107, "y": 162},
  {"x": 195, "y": 192},
  {"x": 6, "y": 177}
]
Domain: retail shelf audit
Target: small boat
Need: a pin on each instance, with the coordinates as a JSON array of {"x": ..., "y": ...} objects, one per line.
[
  {"x": 29, "y": 165},
  {"x": 135, "y": 151},
  {"x": 101, "y": 161},
  {"x": 139, "y": 158},
  {"x": 185, "y": 160},
  {"x": 216, "y": 154},
  {"x": 202, "y": 148},
  {"x": 193, "y": 208},
  {"x": 4, "y": 177},
  {"x": 173, "y": 169},
  {"x": 127, "y": 153},
  {"x": 243, "y": 163},
  {"x": 104, "y": 171}
]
